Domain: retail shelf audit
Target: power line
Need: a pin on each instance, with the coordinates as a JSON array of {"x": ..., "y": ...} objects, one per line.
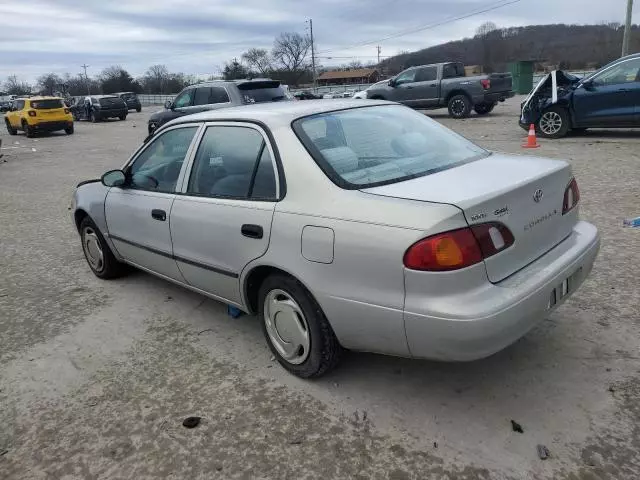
[{"x": 425, "y": 27}]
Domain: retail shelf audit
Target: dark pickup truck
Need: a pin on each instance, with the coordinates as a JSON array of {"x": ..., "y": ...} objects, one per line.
[{"x": 443, "y": 85}]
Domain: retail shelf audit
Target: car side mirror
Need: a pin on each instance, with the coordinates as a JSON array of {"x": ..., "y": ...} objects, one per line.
[
  {"x": 113, "y": 178},
  {"x": 392, "y": 82},
  {"x": 589, "y": 85},
  {"x": 168, "y": 105}
]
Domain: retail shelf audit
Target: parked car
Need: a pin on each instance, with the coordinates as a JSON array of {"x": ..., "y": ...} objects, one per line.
[
  {"x": 342, "y": 225},
  {"x": 329, "y": 95},
  {"x": 5, "y": 106},
  {"x": 362, "y": 94},
  {"x": 100, "y": 107},
  {"x": 445, "y": 85},
  {"x": 608, "y": 98},
  {"x": 215, "y": 95},
  {"x": 306, "y": 95},
  {"x": 38, "y": 114},
  {"x": 132, "y": 100}
]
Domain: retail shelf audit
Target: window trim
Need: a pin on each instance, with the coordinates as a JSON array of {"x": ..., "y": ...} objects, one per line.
[
  {"x": 187, "y": 158},
  {"x": 223, "y": 87},
  {"x": 267, "y": 138},
  {"x": 593, "y": 77},
  {"x": 192, "y": 98},
  {"x": 412, "y": 69}
]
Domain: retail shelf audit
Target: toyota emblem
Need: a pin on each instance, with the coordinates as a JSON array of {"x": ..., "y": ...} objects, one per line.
[{"x": 537, "y": 195}]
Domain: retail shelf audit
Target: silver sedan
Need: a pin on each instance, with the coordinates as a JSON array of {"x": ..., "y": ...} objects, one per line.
[{"x": 345, "y": 226}]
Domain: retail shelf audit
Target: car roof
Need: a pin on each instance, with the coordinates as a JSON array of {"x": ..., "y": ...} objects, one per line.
[
  {"x": 42, "y": 97},
  {"x": 232, "y": 82},
  {"x": 275, "y": 114},
  {"x": 111, "y": 95}
]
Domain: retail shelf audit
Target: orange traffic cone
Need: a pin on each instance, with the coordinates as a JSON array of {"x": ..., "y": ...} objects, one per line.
[{"x": 532, "y": 142}]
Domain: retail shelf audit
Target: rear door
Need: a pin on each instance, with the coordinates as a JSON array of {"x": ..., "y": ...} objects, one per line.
[
  {"x": 209, "y": 98},
  {"x": 222, "y": 219},
  {"x": 611, "y": 98}
]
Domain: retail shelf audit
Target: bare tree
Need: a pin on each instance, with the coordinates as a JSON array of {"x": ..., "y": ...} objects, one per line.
[
  {"x": 355, "y": 64},
  {"x": 156, "y": 79},
  {"x": 49, "y": 83},
  {"x": 259, "y": 60},
  {"x": 485, "y": 33},
  {"x": 14, "y": 86},
  {"x": 485, "y": 29},
  {"x": 290, "y": 51}
]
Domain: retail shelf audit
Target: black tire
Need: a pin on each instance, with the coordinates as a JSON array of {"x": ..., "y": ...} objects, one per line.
[
  {"x": 109, "y": 267},
  {"x": 93, "y": 118},
  {"x": 27, "y": 129},
  {"x": 10, "y": 129},
  {"x": 459, "y": 106},
  {"x": 554, "y": 122},
  {"x": 122, "y": 117},
  {"x": 69, "y": 130},
  {"x": 138, "y": 109},
  {"x": 325, "y": 352},
  {"x": 484, "y": 108}
]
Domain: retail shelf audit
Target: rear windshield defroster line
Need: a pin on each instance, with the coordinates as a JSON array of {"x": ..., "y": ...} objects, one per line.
[{"x": 441, "y": 149}]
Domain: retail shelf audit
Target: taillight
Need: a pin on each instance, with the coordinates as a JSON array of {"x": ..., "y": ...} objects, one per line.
[
  {"x": 66, "y": 110},
  {"x": 32, "y": 113},
  {"x": 458, "y": 248},
  {"x": 486, "y": 83},
  {"x": 571, "y": 196}
]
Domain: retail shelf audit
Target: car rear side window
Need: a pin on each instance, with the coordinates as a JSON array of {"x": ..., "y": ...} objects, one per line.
[
  {"x": 19, "y": 104},
  {"x": 233, "y": 162},
  {"x": 427, "y": 74},
  {"x": 210, "y": 96},
  {"x": 47, "y": 104},
  {"x": 371, "y": 146},
  {"x": 158, "y": 166}
]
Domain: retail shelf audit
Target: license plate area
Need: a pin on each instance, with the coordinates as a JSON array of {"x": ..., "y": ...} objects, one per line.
[{"x": 563, "y": 289}]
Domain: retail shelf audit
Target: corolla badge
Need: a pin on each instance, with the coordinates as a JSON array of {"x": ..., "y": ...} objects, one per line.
[{"x": 537, "y": 195}]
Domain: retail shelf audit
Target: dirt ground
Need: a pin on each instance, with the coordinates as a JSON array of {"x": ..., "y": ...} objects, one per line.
[{"x": 97, "y": 376}]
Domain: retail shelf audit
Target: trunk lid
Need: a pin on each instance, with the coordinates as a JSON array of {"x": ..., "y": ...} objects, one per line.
[
  {"x": 500, "y": 82},
  {"x": 502, "y": 188}
]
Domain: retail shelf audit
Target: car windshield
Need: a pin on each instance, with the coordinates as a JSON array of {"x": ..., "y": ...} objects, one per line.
[
  {"x": 371, "y": 146},
  {"x": 46, "y": 104}
]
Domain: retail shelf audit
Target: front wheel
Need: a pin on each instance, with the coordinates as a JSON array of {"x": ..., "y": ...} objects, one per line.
[
  {"x": 10, "y": 129},
  {"x": 93, "y": 117},
  {"x": 122, "y": 117},
  {"x": 554, "y": 122},
  {"x": 99, "y": 256},
  {"x": 138, "y": 109},
  {"x": 296, "y": 330},
  {"x": 484, "y": 108},
  {"x": 459, "y": 106}
]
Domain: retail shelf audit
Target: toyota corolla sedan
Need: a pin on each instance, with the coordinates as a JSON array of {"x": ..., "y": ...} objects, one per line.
[{"x": 345, "y": 226}]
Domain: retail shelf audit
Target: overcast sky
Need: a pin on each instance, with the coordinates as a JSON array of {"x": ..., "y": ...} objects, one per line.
[{"x": 198, "y": 36}]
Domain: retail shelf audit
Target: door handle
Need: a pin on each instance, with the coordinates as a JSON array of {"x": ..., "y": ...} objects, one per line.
[
  {"x": 159, "y": 214},
  {"x": 409, "y": 87},
  {"x": 433, "y": 85},
  {"x": 252, "y": 231},
  {"x": 624, "y": 89}
]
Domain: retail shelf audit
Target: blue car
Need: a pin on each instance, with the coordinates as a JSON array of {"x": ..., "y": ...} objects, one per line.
[{"x": 608, "y": 98}]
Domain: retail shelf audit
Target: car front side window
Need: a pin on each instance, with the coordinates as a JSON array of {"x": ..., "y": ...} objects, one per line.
[
  {"x": 233, "y": 162},
  {"x": 406, "y": 77},
  {"x": 625, "y": 72},
  {"x": 185, "y": 99},
  {"x": 158, "y": 166}
]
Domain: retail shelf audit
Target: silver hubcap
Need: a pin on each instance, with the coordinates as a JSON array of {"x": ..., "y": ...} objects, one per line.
[
  {"x": 550, "y": 123},
  {"x": 92, "y": 249},
  {"x": 286, "y": 326}
]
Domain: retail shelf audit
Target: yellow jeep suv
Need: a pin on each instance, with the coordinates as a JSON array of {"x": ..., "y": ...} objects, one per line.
[{"x": 38, "y": 114}]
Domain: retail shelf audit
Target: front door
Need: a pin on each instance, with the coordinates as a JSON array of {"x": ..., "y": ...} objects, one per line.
[
  {"x": 426, "y": 88},
  {"x": 611, "y": 98},
  {"x": 138, "y": 213},
  {"x": 222, "y": 220},
  {"x": 403, "y": 86}
]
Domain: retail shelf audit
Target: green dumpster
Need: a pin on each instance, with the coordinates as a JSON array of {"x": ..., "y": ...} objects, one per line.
[{"x": 522, "y": 73}]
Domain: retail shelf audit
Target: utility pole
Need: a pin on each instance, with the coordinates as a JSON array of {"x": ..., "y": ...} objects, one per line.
[
  {"x": 379, "y": 49},
  {"x": 86, "y": 78},
  {"x": 627, "y": 29},
  {"x": 313, "y": 56}
]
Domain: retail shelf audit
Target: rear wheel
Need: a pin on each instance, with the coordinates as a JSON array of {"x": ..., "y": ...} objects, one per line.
[
  {"x": 10, "y": 129},
  {"x": 554, "y": 122},
  {"x": 69, "y": 130},
  {"x": 459, "y": 106},
  {"x": 97, "y": 253},
  {"x": 296, "y": 330},
  {"x": 138, "y": 109},
  {"x": 27, "y": 129},
  {"x": 93, "y": 117},
  {"x": 484, "y": 108},
  {"x": 122, "y": 117}
]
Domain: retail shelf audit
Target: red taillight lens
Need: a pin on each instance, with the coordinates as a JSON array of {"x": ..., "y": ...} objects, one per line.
[
  {"x": 571, "y": 196},
  {"x": 445, "y": 251},
  {"x": 458, "y": 248},
  {"x": 32, "y": 113},
  {"x": 486, "y": 83},
  {"x": 492, "y": 237},
  {"x": 66, "y": 110}
]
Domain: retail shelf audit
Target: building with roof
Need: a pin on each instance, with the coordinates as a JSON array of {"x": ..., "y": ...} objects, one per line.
[{"x": 345, "y": 77}]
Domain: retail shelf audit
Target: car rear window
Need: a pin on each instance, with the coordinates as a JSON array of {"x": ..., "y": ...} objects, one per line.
[
  {"x": 259, "y": 92},
  {"x": 46, "y": 104},
  {"x": 371, "y": 146},
  {"x": 111, "y": 101},
  {"x": 129, "y": 96}
]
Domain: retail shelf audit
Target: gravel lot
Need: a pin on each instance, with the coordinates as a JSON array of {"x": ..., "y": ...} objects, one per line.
[{"x": 97, "y": 376}]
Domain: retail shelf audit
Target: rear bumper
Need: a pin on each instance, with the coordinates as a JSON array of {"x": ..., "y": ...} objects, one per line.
[
  {"x": 52, "y": 126},
  {"x": 476, "y": 324},
  {"x": 495, "y": 97},
  {"x": 121, "y": 112}
]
